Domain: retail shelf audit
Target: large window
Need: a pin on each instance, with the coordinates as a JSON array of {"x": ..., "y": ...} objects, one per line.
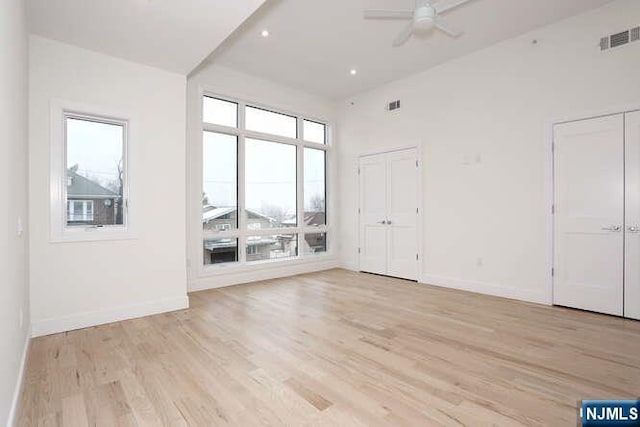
[{"x": 264, "y": 184}]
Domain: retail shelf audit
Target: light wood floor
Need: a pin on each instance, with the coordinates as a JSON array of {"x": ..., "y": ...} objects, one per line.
[{"x": 338, "y": 349}]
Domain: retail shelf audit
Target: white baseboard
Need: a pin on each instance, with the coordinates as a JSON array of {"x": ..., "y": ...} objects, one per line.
[
  {"x": 100, "y": 317},
  {"x": 15, "y": 403},
  {"x": 539, "y": 297},
  {"x": 256, "y": 273},
  {"x": 350, "y": 266}
]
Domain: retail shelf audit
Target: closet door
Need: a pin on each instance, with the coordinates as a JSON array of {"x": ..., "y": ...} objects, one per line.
[
  {"x": 402, "y": 214},
  {"x": 589, "y": 219},
  {"x": 632, "y": 216},
  {"x": 373, "y": 214}
]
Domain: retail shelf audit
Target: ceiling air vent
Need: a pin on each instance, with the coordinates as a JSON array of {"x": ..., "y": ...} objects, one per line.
[
  {"x": 620, "y": 39},
  {"x": 394, "y": 105}
]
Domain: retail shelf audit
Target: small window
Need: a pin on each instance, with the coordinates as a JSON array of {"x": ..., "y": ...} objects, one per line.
[
  {"x": 315, "y": 132},
  {"x": 223, "y": 227},
  {"x": 314, "y": 187},
  {"x": 95, "y": 180},
  {"x": 265, "y": 121},
  {"x": 220, "y": 181},
  {"x": 219, "y": 112}
]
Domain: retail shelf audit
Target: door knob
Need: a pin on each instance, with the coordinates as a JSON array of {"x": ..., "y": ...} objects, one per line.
[
  {"x": 389, "y": 222},
  {"x": 614, "y": 228},
  {"x": 382, "y": 222},
  {"x": 633, "y": 229}
]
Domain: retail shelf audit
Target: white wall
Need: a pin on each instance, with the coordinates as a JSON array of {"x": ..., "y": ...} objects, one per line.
[
  {"x": 80, "y": 284},
  {"x": 227, "y": 82},
  {"x": 484, "y": 123},
  {"x": 13, "y": 193}
]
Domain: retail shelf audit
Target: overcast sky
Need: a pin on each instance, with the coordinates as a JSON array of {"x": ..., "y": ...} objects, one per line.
[
  {"x": 270, "y": 167},
  {"x": 270, "y": 173},
  {"x": 96, "y": 148}
]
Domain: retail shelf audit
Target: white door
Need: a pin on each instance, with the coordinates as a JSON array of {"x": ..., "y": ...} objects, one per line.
[
  {"x": 632, "y": 216},
  {"x": 402, "y": 214},
  {"x": 389, "y": 214},
  {"x": 373, "y": 214},
  {"x": 589, "y": 220}
]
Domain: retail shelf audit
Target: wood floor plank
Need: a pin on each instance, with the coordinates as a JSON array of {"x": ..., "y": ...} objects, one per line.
[{"x": 334, "y": 348}]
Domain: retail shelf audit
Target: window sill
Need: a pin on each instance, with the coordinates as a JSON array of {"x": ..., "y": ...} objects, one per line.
[
  {"x": 220, "y": 269},
  {"x": 230, "y": 275},
  {"x": 93, "y": 235}
]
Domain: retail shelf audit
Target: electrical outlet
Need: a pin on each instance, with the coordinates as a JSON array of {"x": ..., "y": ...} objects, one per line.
[{"x": 479, "y": 262}]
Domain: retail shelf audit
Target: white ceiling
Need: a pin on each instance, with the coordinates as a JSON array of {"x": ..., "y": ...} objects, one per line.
[
  {"x": 313, "y": 44},
  {"x": 175, "y": 35}
]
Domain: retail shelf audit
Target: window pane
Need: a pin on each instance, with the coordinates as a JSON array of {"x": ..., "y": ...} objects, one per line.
[
  {"x": 219, "y": 112},
  {"x": 272, "y": 247},
  {"x": 314, "y": 187},
  {"x": 315, "y": 132},
  {"x": 220, "y": 182},
  {"x": 270, "y": 184},
  {"x": 95, "y": 172},
  {"x": 219, "y": 251},
  {"x": 315, "y": 243},
  {"x": 269, "y": 122}
]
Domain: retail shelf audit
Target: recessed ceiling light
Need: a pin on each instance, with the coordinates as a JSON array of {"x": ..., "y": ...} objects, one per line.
[
  {"x": 265, "y": 33},
  {"x": 353, "y": 72}
]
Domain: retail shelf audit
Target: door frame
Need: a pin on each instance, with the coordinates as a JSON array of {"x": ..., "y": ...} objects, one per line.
[
  {"x": 551, "y": 178},
  {"x": 420, "y": 224}
]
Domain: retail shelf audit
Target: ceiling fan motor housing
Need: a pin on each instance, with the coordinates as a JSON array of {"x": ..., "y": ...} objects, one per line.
[{"x": 424, "y": 18}]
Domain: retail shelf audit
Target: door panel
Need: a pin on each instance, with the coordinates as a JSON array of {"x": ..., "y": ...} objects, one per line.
[
  {"x": 632, "y": 216},
  {"x": 402, "y": 214},
  {"x": 388, "y": 214},
  {"x": 589, "y": 193},
  {"x": 373, "y": 205}
]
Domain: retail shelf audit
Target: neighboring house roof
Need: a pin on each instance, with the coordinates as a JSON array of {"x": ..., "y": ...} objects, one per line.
[
  {"x": 209, "y": 213},
  {"x": 80, "y": 186},
  {"x": 310, "y": 218}
]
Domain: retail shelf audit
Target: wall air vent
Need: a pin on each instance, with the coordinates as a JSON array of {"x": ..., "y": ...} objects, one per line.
[
  {"x": 620, "y": 39},
  {"x": 392, "y": 106}
]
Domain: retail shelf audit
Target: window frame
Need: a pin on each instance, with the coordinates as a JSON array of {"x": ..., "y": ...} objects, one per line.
[
  {"x": 60, "y": 231},
  {"x": 243, "y": 231}
]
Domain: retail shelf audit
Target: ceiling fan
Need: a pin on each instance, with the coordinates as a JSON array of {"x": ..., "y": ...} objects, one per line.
[{"x": 424, "y": 18}]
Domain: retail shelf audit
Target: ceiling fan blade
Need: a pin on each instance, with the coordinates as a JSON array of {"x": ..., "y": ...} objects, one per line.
[
  {"x": 442, "y": 26},
  {"x": 388, "y": 14},
  {"x": 447, "y": 5},
  {"x": 403, "y": 36}
]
